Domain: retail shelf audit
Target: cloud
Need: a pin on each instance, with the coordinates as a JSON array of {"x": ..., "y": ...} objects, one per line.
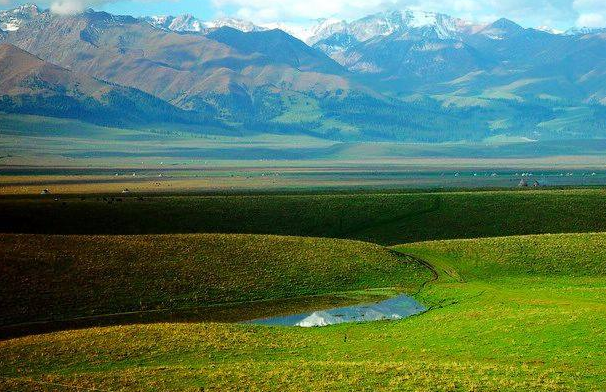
[
  {"x": 530, "y": 13},
  {"x": 533, "y": 13},
  {"x": 67, "y": 7},
  {"x": 591, "y": 20},
  {"x": 591, "y": 13}
]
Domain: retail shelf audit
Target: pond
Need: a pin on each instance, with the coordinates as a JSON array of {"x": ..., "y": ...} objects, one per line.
[{"x": 395, "y": 308}]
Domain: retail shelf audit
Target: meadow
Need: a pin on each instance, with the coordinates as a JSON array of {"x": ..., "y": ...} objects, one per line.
[
  {"x": 521, "y": 308},
  {"x": 490, "y": 327}
]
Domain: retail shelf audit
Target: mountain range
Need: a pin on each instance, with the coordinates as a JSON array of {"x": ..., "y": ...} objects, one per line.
[{"x": 400, "y": 75}]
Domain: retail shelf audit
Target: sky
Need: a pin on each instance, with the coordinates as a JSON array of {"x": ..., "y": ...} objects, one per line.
[{"x": 558, "y": 14}]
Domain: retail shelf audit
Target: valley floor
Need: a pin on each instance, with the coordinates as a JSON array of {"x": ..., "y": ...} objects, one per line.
[{"x": 298, "y": 177}]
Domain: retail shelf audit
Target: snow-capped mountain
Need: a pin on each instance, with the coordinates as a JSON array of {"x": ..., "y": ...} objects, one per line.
[
  {"x": 407, "y": 22},
  {"x": 324, "y": 28},
  {"x": 429, "y": 24},
  {"x": 11, "y": 20},
  {"x": 183, "y": 23},
  {"x": 190, "y": 24},
  {"x": 234, "y": 23}
]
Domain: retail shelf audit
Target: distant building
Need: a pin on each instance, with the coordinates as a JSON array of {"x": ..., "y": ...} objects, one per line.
[{"x": 523, "y": 183}]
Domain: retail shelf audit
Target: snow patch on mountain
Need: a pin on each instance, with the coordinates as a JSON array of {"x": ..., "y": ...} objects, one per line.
[
  {"x": 297, "y": 31},
  {"x": 234, "y": 23},
  {"x": 11, "y": 20},
  {"x": 188, "y": 23},
  {"x": 182, "y": 24},
  {"x": 550, "y": 30},
  {"x": 405, "y": 23},
  {"x": 585, "y": 30}
]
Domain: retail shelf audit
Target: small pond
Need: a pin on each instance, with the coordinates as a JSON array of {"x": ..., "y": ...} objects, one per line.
[{"x": 395, "y": 308}]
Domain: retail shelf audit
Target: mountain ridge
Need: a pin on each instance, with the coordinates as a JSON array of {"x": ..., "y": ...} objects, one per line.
[{"x": 397, "y": 75}]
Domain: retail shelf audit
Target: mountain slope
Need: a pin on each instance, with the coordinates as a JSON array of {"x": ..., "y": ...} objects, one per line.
[
  {"x": 431, "y": 53},
  {"x": 410, "y": 63},
  {"x": 190, "y": 71},
  {"x": 31, "y": 85},
  {"x": 276, "y": 46}
]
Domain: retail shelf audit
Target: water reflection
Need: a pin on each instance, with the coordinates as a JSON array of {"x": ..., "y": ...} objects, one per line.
[{"x": 395, "y": 308}]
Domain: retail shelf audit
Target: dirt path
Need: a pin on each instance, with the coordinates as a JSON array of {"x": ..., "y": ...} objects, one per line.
[{"x": 434, "y": 272}]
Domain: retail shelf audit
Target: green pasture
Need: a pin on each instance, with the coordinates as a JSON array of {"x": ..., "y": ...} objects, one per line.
[
  {"x": 491, "y": 326},
  {"x": 507, "y": 310}
]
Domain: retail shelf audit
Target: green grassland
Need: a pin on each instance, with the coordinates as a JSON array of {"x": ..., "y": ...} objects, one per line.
[
  {"x": 387, "y": 219},
  {"x": 518, "y": 313},
  {"x": 572, "y": 255},
  {"x": 521, "y": 312}
]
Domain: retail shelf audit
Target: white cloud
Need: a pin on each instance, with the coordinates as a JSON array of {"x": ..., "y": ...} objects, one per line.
[
  {"x": 530, "y": 13},
  {"x": 591, "y": 20},
  {"x": 272, "y": 10},
  {"x": 591, "y": 13},
  {"x": 66, "y": 7}
]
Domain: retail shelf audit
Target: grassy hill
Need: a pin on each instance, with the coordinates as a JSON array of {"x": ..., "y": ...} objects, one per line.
[
  {"x": 389, "y": 218},
  {"x": 575, "y": 255},
  {"x": 62, "y": 277},
  {"x": 491, "y": 327}
]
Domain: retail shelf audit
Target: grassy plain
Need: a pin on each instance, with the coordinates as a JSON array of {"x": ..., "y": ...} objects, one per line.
[
  {"x": 306, "y": 177},
  {"x": 51, "y": 142},
  {"x": 521, "y": 313},
  {"x": 384, "y": 218}
]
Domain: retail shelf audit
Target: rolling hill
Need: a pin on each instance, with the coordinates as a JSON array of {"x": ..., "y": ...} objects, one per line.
[{"x": 507, "y": 314}]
